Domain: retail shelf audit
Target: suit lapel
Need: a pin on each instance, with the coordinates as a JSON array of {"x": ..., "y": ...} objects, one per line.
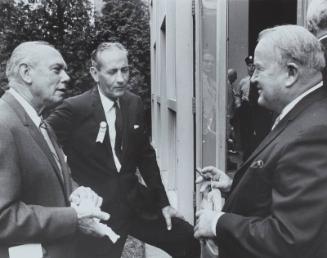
[
  {"x": 124, "y": 105},
  {"x": 35, "y": 133},
  {"x": 313, "y": 97},
  {"x": 64, "y": 167},
  {"x": 98, "y": 117}
]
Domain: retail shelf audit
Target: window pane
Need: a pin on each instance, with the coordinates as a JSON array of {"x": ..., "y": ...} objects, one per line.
[{"x": 208, "y": 82}]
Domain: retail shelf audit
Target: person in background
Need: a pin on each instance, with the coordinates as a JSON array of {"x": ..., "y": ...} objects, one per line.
[
  {"x": 277, "y": 200},
  {"x": 316, "y": 23},
  {"x": 230, "y": 126},
  {"x": 243, "y": 113}
]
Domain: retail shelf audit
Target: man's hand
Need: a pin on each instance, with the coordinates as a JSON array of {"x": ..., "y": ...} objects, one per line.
[
  {"x": 169, "y": 212},
  {"x": 88, "y": 218},
  {"x": 85, "y": 193},
  {"x": 90, "y": 226},
  {"x": 206, "y": 223},
  {"x": 87, "y": 206},
  {"x": 215, "y": 178}
]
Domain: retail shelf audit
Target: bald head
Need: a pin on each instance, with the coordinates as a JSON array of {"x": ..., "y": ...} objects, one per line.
[
  {"x": 37, "y": 71},
  {"x": 293, "y": 43},
  {"x": 28, "y": 53}
]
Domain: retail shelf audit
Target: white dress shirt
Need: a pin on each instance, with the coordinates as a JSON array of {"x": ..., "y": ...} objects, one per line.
[
  {"x": 27, "y": 107},
  {"x": 292, "y": 104},
  {"x": 110, "y": 113},
  {"x": 37, "y": 121}
]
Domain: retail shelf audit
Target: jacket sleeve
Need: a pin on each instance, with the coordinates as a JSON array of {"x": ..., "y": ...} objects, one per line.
[
  {"x": 23, "y": 222},
  {"x": 62, "y": 120},
  {"x": 298, "y": 207},
  {"x": 148, "y": 166}
]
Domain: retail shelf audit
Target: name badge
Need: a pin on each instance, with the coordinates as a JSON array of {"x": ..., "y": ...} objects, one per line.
[{"x": 102, "y": 132}]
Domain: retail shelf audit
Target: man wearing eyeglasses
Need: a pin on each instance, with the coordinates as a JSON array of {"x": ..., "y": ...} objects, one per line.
[{"x": 103, "y": 135}]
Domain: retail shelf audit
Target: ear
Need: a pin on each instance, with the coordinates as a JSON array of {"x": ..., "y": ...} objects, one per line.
[
  {"x": 94, "y": 73},
  {"x": 293, "y": 74},
  {"x": 24, "y": 72}
]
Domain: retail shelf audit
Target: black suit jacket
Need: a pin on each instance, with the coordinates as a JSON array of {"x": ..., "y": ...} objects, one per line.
[
  {"x": 278, "y": 207},
  {"x": 323, "y": 42},
  {"x": 76, "y": 123}
]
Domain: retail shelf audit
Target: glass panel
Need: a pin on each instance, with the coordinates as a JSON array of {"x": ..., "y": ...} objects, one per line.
[
  {"x": 208, "y": 81},
  {"x": 247, "y": 122}
]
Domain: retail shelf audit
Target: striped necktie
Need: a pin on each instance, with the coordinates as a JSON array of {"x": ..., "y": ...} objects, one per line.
[{"x": 44, "y": 130}]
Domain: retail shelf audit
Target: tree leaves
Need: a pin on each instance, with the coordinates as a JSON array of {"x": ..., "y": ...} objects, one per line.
[{"x": 67, "y": 25}]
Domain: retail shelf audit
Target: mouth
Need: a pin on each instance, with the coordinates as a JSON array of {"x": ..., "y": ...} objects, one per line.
[
  {"x": 120, "y": 88},
  {"x": 63, "y": 90}
]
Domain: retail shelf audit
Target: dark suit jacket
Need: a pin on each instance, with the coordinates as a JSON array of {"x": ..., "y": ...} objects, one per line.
[
  {"x": 278, "y": 207},
  {"x": 76, "y": 123},
  {"x": 33, "y": 196},
  {"x": 323, "y": 42}
]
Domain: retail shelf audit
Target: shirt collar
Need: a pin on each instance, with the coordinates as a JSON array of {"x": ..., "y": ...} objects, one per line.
[
  {"x": 292, "y": 104},
  {"x": 107, "y": 103},
  {"x": 322, "y": 37},
  {"x": 27, "y": 107}
]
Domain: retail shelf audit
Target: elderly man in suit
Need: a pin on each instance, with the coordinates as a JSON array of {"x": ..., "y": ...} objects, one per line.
[
  {"x": 35, "y": 185},
  {"x": 103, "y": 135},
  {"x": 277, "y": 204}
]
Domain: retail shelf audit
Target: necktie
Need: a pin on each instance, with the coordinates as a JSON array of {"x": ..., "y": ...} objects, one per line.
[
  {"x": 44, "y": 131},
  {"x": 119, "y": 129}
]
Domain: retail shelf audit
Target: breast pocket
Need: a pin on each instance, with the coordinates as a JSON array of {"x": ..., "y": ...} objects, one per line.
[{"x": 259, "y": 184}]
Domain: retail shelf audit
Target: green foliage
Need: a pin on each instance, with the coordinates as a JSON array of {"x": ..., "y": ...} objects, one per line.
[{"x": 66, "y": 25}]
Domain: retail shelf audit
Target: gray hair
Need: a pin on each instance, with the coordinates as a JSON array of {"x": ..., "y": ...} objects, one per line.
[
  {"x": 24, "y": 53},
  {"x": 293, "y": 43},
  {"x": 101, "y": 48},
  {"x": 317, "y": 16}
]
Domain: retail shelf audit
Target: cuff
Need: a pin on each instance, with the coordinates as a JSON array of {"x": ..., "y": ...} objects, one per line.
[{"x": 215, "y": 221}]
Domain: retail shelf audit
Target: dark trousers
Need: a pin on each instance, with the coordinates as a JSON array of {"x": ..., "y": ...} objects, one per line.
[{"x": 178, "y": 242}]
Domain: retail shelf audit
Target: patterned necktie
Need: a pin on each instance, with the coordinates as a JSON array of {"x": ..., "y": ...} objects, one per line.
[
  {"x": 119, "y": 129},
  {"x": 44, "y": 130}
]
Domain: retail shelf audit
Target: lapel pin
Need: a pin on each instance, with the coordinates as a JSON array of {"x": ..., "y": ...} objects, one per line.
[{"x": 102, "y": 132}]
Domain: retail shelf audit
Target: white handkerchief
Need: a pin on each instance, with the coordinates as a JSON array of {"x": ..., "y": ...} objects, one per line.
[
  {"x": 136, "y": 126},
  {"x": 26, "y": 251},
  {"x": 109, "y": 233}
]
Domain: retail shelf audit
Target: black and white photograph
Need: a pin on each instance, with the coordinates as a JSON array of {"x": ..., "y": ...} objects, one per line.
[{"x": 163, "y": 128}]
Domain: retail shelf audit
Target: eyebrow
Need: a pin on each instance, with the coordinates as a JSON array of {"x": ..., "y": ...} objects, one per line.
[{"x": 62, "y": 66}]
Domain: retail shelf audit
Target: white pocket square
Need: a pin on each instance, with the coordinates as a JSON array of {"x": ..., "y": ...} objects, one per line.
[
  {"x": 257, "y": 164},
  {"x": 136, "y": 126}
]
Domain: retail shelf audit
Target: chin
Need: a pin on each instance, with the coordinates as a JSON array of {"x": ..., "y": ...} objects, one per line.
[{"x": 119, "y": 94}]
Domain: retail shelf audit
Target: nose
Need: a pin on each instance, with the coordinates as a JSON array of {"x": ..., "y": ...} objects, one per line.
[
  {"x": 253, "y": 78},
  {"x": 120, "y": 77},
  {"x": 65, "y": 77}
]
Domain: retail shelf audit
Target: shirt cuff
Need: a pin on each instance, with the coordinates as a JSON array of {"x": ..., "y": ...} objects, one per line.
[{"x": 215, "y": 221}]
